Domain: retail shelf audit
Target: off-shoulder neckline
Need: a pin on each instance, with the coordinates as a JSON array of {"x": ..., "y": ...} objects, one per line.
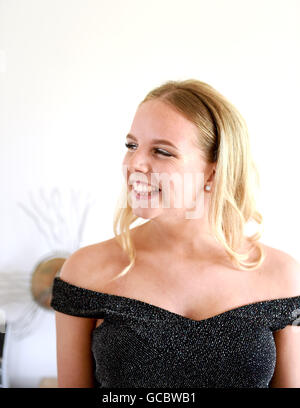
[{"x": 176, "y": 315}]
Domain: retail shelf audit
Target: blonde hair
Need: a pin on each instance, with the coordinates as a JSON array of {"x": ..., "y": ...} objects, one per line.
[{"x": 223, "y": 138}]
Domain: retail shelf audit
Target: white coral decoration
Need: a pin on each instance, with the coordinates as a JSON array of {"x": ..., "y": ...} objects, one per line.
[{"x": 60, "y": 220}]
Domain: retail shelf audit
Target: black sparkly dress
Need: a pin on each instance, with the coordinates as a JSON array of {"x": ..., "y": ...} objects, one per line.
[{"x": 140, "y": 345}]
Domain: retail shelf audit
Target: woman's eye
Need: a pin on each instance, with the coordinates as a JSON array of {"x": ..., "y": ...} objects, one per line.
[
  {"x": 163, "y": 152},
  {"x": 129, "y": 145},
  {"x": 159, "y": 151}
]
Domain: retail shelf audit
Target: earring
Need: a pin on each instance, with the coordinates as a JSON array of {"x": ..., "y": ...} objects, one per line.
[{"x": 207, "y": 187}]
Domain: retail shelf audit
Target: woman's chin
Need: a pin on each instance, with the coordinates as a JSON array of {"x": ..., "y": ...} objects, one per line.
[{"x": 146, "y": 213}]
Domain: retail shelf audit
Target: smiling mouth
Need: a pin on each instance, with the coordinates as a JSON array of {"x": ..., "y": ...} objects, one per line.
[
  {"x": 144, "y": 189},
  {"x": 145, "y": 192},
  {"x": 146, "y": 196}
]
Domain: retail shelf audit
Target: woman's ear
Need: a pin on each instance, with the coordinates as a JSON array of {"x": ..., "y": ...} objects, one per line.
[{"x": 211, "y": 174}]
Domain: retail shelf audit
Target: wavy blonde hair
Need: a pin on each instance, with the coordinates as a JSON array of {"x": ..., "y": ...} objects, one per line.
[{"x": 223, "y": 138}]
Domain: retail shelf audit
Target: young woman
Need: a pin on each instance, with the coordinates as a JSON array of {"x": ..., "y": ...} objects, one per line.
[{"x": 186, "y": 299}]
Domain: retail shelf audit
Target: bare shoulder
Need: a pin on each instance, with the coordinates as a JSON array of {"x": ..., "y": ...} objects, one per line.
[
  {"x": 94, "y": 265},
  {"x": 282, "y": 271}
]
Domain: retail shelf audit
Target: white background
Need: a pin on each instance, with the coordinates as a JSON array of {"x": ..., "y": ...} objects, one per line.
[{"x": 71, "y": 75}]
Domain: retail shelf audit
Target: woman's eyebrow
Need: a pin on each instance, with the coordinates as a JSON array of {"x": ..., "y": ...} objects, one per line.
[{"x": 160, "y": 141}]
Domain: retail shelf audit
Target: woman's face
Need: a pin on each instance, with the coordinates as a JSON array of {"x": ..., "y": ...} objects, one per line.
[{"x": 162, "y": 151}]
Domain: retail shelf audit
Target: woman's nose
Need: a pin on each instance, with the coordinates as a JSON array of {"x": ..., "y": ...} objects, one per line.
[{"x": 138, "y": 162}]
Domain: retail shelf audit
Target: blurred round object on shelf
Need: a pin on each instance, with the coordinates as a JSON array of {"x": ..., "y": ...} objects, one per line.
[{"x": 42, "y": 279}]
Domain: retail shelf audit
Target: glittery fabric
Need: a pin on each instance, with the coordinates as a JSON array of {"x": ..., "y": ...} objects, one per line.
[{"x": 142, "y": 345}]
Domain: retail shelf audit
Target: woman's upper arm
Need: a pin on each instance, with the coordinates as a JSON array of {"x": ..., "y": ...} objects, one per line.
[
  {"x": 75, "y": 361},
  {"x": 287, "y": 369},
  {"x": 287, "y": 340},
  {"x": 73, "y": 349}
]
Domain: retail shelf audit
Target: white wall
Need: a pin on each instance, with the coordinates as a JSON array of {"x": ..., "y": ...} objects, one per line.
[{"x": 72, "y": 74}]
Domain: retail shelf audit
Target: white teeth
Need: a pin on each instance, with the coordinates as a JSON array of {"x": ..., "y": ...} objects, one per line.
[{"x": 142, "y": 188}]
